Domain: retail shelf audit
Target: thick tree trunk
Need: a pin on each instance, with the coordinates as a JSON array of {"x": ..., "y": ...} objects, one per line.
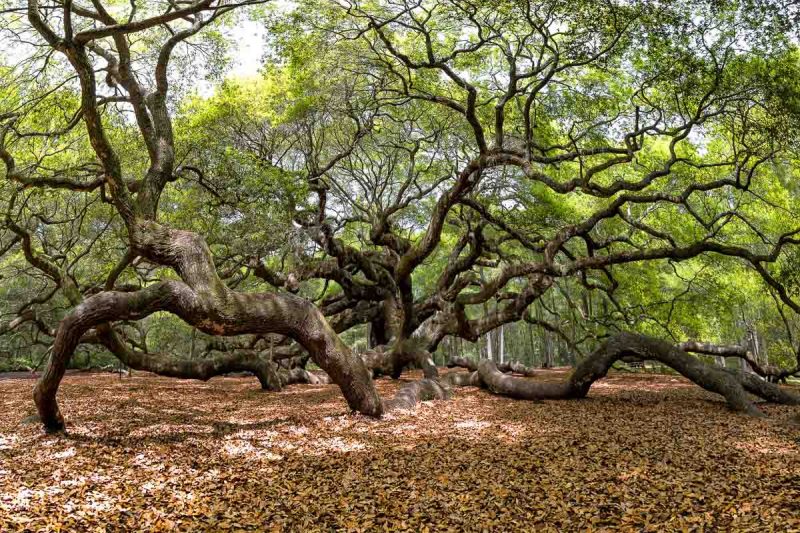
[
  {"x": 271, "y": 375},
  {"x": 378, "y": 334},
  {"x": 767, "y": 389}
]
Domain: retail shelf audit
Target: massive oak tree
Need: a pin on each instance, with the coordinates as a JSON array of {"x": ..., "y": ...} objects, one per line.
[{"x": 430, "y": 169}]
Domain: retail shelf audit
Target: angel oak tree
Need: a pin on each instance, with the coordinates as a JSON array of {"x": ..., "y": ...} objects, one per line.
[{"x": 431, "y": 169}]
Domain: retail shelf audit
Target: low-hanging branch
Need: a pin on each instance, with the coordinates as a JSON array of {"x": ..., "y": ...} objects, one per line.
[
  {"x": 511, "y": 367},
  {"x": 732, "y": 386}
]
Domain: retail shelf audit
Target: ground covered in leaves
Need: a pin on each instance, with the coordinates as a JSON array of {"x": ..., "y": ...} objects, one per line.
[{"x": 643, "y": 452}]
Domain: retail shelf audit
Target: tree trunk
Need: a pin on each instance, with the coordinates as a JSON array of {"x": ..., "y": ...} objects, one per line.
[
  {"x": 202, "y": 369},
  {"x": 378, "y": 334},
  {"x": 502, "y": 344}
]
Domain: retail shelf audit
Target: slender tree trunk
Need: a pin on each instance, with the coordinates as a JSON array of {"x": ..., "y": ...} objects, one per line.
[
  {"x": 532, "y": 343},
  {"x": 502, "y": 344},
  {"x": 192, "y": 345}
]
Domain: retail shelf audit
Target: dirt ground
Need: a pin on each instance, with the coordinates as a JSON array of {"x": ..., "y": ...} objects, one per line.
[{"x": 641, "y": 453}]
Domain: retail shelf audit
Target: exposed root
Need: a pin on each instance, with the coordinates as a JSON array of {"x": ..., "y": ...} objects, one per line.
[
  {"x": 414, "y": 392},
  {"x": 301, "y": 375}
]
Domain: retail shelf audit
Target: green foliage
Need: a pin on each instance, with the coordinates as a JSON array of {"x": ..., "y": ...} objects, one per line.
[{"x": 339, "y": 102}]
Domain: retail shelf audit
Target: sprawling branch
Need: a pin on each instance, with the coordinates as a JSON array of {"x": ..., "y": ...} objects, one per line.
[{"x": 728, "y": 384}]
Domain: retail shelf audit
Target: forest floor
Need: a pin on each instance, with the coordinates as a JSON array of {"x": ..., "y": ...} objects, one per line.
[{"x": 643, "y": 452}]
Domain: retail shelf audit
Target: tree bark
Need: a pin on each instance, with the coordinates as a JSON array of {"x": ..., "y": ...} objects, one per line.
[
  {"x": 205, "y": 302},
  {"x": 414, "y": 392},
  {"x": 203, "y": 369},
  {"x": 596, "y": 366},
  {"x": 301, "y": 375},
  {"x": 510, "y": 367},
  {"x": 383, "y": 360}
]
